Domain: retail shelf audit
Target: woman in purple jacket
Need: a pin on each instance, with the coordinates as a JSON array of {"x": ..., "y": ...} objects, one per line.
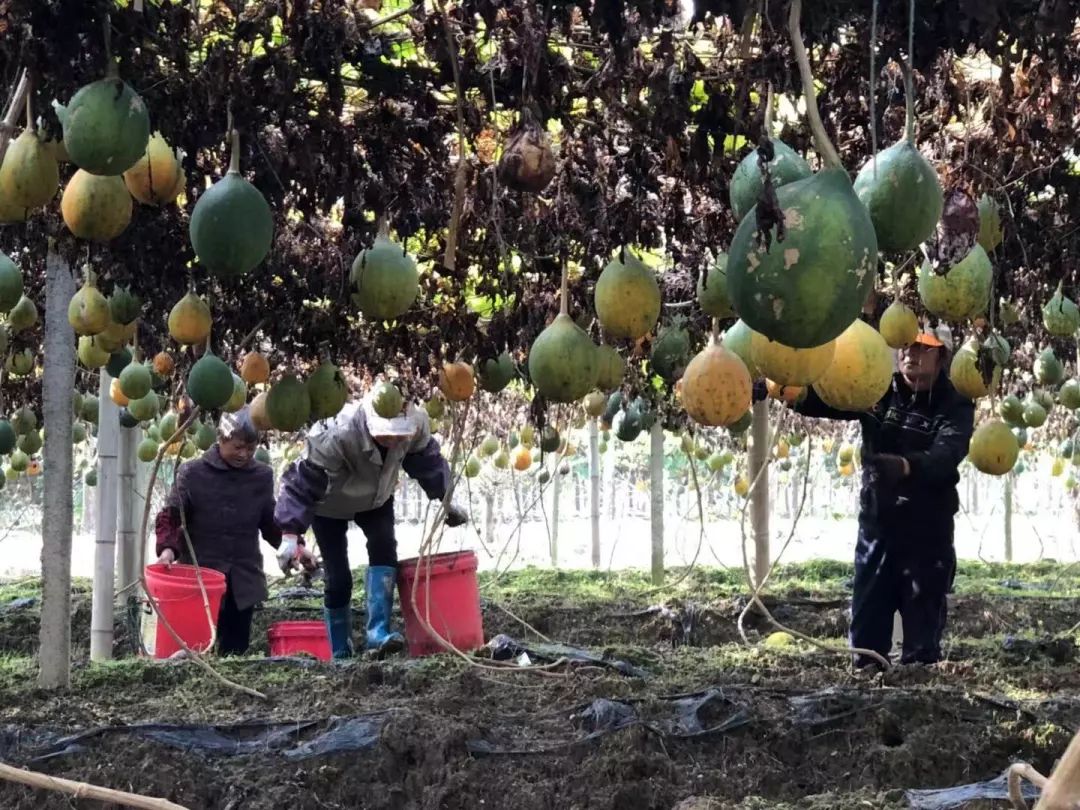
[
  {"x": 348, "y": 474},
  {"x": 225, "y": 499}
]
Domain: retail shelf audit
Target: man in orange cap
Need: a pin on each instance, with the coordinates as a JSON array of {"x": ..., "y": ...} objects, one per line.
[{"x": 913, "y": 442}]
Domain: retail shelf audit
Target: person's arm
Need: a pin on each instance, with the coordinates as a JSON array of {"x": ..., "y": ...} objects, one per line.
[
  {"x": 303, "y": 486},
  {"x": 813, "y": 406},
  {"x": 169, "y": 524},
  {"x": 268, "y": 527},
  {"x": 938, "y": 464},
  {"x": 429, "y": 469},
  {"x": 424, "y": 463},
  {"x": 306, "y": 482}
]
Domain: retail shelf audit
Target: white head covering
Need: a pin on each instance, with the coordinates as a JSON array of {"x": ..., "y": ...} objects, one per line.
[
  {"x": 404, "y": 424},
  {"x": 238, "y": 425}
]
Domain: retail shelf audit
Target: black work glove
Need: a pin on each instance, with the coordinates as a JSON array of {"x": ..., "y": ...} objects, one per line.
[
  {"x": 455, "y": 516},
  {"x": 887, "y": 468}
]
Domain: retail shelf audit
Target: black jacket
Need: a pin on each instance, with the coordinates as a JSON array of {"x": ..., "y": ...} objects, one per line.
[
  {"x": 226, "y": 509},
  {"x": 931, "y": 429}
]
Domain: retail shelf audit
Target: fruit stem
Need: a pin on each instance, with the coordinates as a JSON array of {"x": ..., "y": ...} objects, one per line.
[
  {"x": 715, "y": 330},
  {"x": 563, "y": 292},
  {"x": 873, "y": 83},
  {"x": 768, "y": 110},
  {"x": 111, "y": 71},
  {"x": 382, "y": 227},
  {"x": 29, "y": 107},
  {"x": 234, "y": 154},
  {"x": 829, "y": 156},
  {"x": 909, "y": 85}
]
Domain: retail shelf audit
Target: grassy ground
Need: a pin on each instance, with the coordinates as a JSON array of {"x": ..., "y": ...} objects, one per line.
[{"x": 813, "y": 734}]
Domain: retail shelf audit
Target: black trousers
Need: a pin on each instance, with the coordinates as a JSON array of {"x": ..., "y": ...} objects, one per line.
[
  {"x": 913, "y": 575},
  {"x": 332, "y": 536},
  {"x": 234, "y": 626}
]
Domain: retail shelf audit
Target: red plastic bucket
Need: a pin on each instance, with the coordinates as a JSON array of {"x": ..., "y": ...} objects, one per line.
[
  {"x": 290, "y": 638},
  {"x": 447, "y": 597},
  {"x": 176, "y": 590}
]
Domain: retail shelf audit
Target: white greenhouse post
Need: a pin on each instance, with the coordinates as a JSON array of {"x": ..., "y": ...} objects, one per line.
[
  {"x": 142, "y": 492},
  {"x": 656, "y": 491},
  {"x": 128, "y": 551},
  {"x": 108, "y": 445},
  {"x": 1008, "y": 516},
  {"x": 594, "y": 489},
  {"x": 58, "y": 384},
  {"x": 759, "y": 504},
  {"x": 489, "y": 518},
  {"x": 556, "y": 481}
]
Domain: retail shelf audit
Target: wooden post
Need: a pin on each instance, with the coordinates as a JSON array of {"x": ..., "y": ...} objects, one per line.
[
  {"x": 656, "y": 506},
  {"x": 108, "y": 446},
  {"x": 556, "y": 485},
  {"x": 54, "y": 654},
  {"x": 759, "y": 503},
  {"x": 1008, "y": 516},
  {"x": 594, "y": 489},
  {"x": 128, "y": 551}
]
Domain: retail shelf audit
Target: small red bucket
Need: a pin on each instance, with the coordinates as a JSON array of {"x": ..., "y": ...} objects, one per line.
[
  {"x": 290, "y": 638},
  {"x": 176, "y": 590},
  {"x": 447, "y": 597}
]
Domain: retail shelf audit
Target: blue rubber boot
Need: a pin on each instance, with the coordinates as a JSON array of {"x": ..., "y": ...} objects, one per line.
[
  {"x": 379, "y": 582},
  {"x": 339, "y": 630}
]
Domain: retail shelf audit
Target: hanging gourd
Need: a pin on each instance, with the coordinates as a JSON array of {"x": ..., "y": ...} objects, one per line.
[
  {"x": 806, "y": 289},
  {"x": 106, "y": 124},
  {"x": 898, "y": 185},
  {"x": 157, "y": 178},
  {"x": 627, "y": 297},
  {"x": 1061, "y": 317},
  {"x": 231, "y": 225},
  {"x": 384, "y": 278},
  {"x": 29, "y": 175},
  {"x": 88, "y": 310},
  {"x": 563, "y": 361},
  {"x": 785, "y": 166}
]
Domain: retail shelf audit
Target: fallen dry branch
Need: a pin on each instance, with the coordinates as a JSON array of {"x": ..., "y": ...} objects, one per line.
[
  {"x": 1016, "y": 772},
  {"x": 82, "y": 790}
]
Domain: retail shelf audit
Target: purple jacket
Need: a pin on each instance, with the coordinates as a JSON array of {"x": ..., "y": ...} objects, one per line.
[
  {"x": 345, "y": 472},
  {"x": 225, "y": 509}
]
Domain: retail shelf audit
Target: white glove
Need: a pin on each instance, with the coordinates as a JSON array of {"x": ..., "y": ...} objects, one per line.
[{"x": 288, "y": 552}]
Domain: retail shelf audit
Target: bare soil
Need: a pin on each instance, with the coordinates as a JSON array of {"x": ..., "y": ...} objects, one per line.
[{"x": 782, "y": 728}]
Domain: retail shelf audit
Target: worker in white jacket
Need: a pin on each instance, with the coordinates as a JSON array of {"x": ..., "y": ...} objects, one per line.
[{"x": 348, "y": 472}]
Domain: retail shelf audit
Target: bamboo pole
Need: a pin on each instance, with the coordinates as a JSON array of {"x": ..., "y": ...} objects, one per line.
[
  {"x": 82, "y": 790},
  {"x": 1008, "y": 516},
  {"x": 594, "y": 489},
  {"x": 556, "y": 491},
  {"x": 656, "y": 506},
  {"x": 101, "y": 613},
  {"x": 759, "y": 466},
  {"x": 128, "y": 555}
]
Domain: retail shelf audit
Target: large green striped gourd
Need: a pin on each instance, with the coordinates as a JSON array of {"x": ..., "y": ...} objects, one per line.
[{"x": 806, "y": 290}]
